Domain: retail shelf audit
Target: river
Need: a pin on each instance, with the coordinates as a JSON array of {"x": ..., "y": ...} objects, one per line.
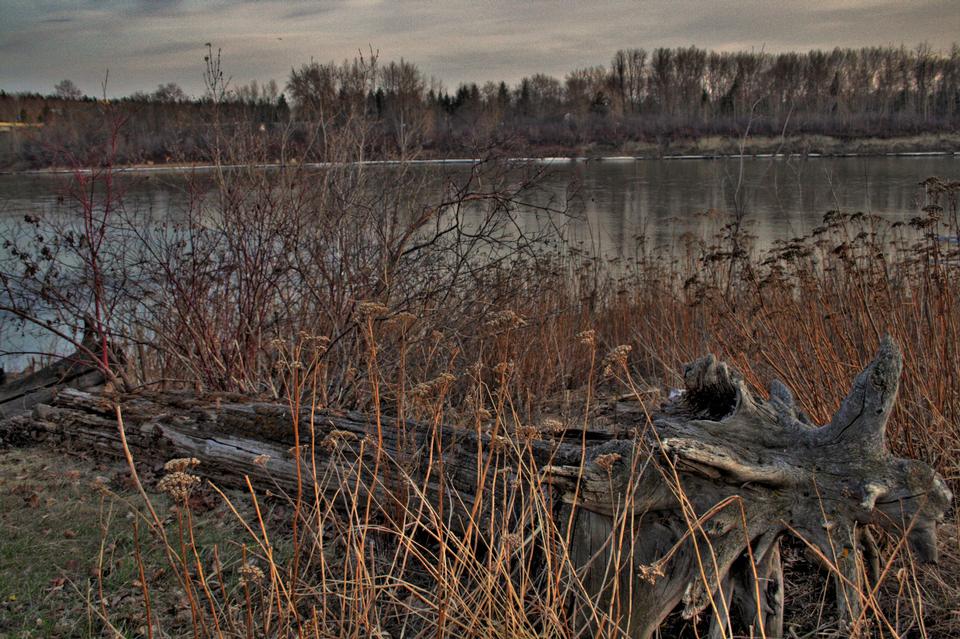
[{"x": 617, "y": 200}]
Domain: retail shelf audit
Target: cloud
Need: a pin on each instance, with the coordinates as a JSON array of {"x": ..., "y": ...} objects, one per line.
[{"x": 144, "y": 42}]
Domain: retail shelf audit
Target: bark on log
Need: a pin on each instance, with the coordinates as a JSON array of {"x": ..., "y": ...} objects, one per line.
[
  {"x": 704, "y": 492},
  {"x": 74, "y": 371}
]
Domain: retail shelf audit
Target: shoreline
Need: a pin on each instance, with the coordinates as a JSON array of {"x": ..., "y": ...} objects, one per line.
[
  {"x": 946, "y": 144},
  {"x": 179, "y": 167}
]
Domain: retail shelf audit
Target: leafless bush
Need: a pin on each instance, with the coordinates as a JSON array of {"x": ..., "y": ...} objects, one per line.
[{"x": 260, "y": 256}]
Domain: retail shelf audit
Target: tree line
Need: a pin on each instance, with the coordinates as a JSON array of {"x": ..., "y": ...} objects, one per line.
[{"x": 659, "y": 96}]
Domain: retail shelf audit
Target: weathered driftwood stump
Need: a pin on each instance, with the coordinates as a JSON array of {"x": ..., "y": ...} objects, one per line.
[
  {"x": 779, "y": 474},
  {"x": 686, "y": 508}
]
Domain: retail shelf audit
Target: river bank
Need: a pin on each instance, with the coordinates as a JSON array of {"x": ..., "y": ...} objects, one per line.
[
  {"x": 776, "y": 146},
  {"x": 704, "y": 148}
]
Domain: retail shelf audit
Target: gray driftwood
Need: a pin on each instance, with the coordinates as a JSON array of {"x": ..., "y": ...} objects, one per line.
[
  {"x": 20, "y": 395},
  {"x": 746, "y": 470}
]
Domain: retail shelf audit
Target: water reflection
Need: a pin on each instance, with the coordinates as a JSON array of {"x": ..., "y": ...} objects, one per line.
[
  {"x": 781, "y": 198},
  {"x": 619, "y": 199}
]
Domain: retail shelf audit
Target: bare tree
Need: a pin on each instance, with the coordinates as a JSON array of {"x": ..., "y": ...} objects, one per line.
[
  {"x": 169, "y": 92},
  {"x": 403, "y": 85},
  {"x": 67, "y": 90}
]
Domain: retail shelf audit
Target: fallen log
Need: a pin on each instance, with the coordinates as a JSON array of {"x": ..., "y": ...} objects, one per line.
[
  {"x": 77, "y": 370},
  {"x": 704, "y": 489}
]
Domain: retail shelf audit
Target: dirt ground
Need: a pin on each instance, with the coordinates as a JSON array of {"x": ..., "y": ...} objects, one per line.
[{"x": 63, "y": 538}]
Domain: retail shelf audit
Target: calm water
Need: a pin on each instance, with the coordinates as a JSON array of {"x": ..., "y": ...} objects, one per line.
[
  {"x": 617, "y": 200},
  {"x": 780, "y": 197}
]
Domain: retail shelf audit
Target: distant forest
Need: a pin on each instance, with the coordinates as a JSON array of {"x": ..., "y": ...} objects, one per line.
[{"x": 656, "y": 99}]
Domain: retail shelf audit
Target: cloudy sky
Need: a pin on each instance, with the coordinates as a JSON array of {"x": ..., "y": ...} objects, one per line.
[{"x": 146, "y": 42}]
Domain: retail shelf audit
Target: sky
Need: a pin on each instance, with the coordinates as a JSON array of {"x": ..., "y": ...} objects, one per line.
[{"x": 144, "y": 43}]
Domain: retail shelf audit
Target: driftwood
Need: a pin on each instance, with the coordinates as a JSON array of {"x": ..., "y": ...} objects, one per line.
[
  {"x": 706, "y": 490},
  {"x": 74, "y": 371}
]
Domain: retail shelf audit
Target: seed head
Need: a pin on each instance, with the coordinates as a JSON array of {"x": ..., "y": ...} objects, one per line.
[
  {"x": 402, "y": 319},
  {"x": 178, "y": 485},
  {"x": 333, "y": 439},
  {"x": 99, "y": 484},
  {"x": 528, "y": 432},
  {"x": 551, "y": 425},
  {"x": 370, "y": 309},
  {"x": 504, "y": 320},
  {"x": 250, "y": 575},
  {"x": 650, "y": 573},
  {"x": 588, "y": 338},
  {"x": 607, "y": 460},
  {"x": 615, "y": 359},
  {"x": 181, "y": 464},
  {"x": 430, "y": 389},
  {"x": 512, "y": 541}
]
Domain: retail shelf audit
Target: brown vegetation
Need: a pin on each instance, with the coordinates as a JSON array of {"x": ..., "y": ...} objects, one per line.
[{"x": 351, "y": 288}]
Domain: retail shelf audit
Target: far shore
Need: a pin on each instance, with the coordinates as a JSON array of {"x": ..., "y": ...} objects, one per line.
[{"x": 706, "y": 148}]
